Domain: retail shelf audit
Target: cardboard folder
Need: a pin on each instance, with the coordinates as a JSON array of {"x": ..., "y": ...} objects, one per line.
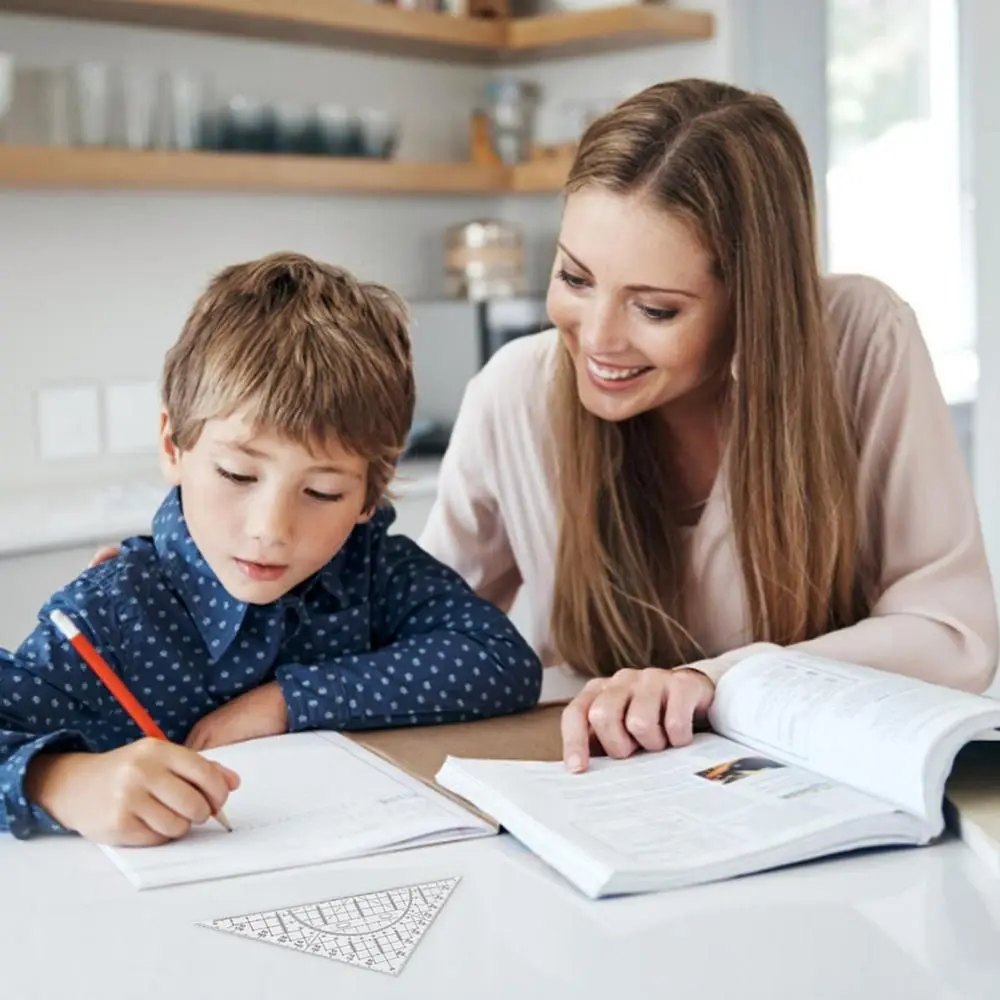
[{"x": 420, "y": 751}]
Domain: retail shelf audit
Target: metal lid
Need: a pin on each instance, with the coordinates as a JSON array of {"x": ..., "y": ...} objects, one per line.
[{"x": 483, "y": 233}]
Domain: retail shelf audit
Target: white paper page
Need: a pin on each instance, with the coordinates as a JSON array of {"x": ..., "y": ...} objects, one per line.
[
  {"x": 689, "y": 807},
  {"x": 867, "y": 728},
  {"x": 304, "y": 798}
]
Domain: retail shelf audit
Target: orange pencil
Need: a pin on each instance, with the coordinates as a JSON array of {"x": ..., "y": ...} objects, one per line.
[{"x": 114, "y": 684}]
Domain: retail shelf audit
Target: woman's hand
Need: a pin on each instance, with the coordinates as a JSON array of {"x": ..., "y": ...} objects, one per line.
[
  {"x": 103, "y": 554},
  {"x": 649, "y": 709}
]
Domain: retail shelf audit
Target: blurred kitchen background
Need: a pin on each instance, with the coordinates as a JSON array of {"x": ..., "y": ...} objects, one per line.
[{"x": 422, "y": 145}]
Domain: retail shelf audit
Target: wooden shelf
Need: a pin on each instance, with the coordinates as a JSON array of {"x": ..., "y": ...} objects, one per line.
[
  {"x": 381, "y": 27},
  {"x": 539, "y": 176},
  {"x": 68, "y": 168},
  {"x": 604, "y": 29},
  {"x": 72, "y": 168},
  {"x": 372, "y": 27}
]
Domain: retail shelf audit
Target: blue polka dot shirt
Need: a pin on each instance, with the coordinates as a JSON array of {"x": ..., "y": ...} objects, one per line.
[{"x": 383, "y": 635}]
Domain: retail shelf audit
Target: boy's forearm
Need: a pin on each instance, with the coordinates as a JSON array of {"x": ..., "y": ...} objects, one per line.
[
  {"x": 441, "y": 676},
  {"x": 47, "y": 776},
  {"x": 440, "y": 654},
  {"x": 49, "y": 701},
  {"x": 27, "y": 768}
]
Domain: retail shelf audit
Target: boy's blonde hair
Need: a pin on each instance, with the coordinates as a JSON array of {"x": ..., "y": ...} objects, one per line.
[{"x": 317, "y": 357}]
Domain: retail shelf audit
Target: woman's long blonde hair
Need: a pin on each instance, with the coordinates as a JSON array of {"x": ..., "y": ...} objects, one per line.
[{"x": 733, "y": 166}]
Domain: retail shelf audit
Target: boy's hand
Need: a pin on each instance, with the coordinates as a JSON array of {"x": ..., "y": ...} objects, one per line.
[
  {"x": 139, "y": 795},
  {"x": 260, "y": 712}
]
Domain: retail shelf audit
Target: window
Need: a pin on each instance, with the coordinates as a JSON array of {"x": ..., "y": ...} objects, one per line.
[{"x": 894, "y": 200}]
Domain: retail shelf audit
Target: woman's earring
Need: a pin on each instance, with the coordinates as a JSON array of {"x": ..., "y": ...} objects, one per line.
[{"x": 734, "y": 372}]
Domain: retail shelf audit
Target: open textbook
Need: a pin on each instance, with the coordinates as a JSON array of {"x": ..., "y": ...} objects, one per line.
[
  {"x": 304, "y": 798},
  {"x": 807, "y": 758}
]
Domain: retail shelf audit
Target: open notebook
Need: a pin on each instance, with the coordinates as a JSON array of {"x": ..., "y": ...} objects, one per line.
[{"x": 305, "y": 798}]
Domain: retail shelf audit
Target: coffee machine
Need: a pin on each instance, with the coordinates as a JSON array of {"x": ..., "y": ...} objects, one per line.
[
  {"x": 452, "y": 340},
  {"x": 486, "y": 305}
]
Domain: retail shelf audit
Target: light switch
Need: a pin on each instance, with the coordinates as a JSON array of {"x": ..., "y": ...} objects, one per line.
[
  {"x": 69, "y": 424},
  {"x": 132, "y": 416}
]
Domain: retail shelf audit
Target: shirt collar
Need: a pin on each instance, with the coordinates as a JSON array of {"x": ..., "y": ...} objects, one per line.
[
  {"x": 217, "y": 616},
  {"x": 330, "y": 575},
  {"x": 298, "y": 600}
]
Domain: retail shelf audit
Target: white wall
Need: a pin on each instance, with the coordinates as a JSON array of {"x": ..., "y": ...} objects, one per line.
[
  {"x": 979, "y": 28},
  {"x": 94, "y": 286},
  {"x": 779, "y": 47}
]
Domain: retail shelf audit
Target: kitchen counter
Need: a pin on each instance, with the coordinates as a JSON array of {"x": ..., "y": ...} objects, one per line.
[{"x": 44, "y": 518}]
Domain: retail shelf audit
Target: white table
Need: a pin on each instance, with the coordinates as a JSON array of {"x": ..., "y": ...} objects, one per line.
[{"x": 908, "y": 924}]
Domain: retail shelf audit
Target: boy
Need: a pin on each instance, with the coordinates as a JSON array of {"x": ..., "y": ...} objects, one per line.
[{"x": 270, "y": 596}]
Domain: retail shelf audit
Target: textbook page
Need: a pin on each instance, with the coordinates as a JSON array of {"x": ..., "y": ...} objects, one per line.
[
  {"x": 891, "y": 736},
  {"x": 706, "y": 810},
  {"x": 304, "y": 798}
]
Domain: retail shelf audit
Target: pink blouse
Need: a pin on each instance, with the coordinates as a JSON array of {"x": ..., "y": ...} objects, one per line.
[{"x": 495, "y": 520}]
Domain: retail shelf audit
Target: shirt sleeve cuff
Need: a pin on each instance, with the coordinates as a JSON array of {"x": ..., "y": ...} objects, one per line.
[
  {"x": 25, "y": 818},
  {"x": 718, "y": 665},
  {"x": 314, "y": 699}
]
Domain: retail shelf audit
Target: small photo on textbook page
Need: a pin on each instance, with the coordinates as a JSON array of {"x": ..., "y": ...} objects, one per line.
[{"x": 740, "y": 767}]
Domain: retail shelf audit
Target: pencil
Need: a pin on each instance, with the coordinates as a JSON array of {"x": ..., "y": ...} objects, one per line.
[{"x": 115, "y": 685}]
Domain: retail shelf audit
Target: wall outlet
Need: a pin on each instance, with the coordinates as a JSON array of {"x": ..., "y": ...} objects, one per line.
[
  {"x": 69, "y": 424},
  {"x": 132, "y": 417}
]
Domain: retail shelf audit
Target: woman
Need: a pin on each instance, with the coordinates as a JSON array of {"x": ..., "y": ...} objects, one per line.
[{"x": 715, "y": 448}]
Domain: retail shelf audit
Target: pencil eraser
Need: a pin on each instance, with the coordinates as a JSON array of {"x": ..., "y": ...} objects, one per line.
[{"x": 63, "y": 623}]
